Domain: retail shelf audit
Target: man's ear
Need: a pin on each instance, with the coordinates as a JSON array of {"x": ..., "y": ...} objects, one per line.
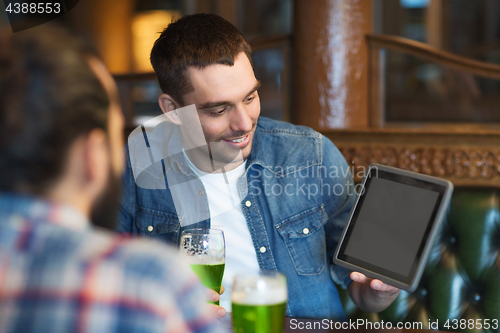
[
  {"x": 86, "y": 172},
  {"x": 169, "y": 107},
  {"x": 96, "y": 160}
]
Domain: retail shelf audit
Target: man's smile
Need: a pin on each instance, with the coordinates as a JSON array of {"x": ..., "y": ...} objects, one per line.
[{"x": 240, "y": 142}]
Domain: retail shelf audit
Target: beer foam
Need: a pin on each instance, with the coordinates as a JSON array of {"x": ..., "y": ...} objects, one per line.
[
  {"x": 264, "y": 297},
  {"x": 201, "y": 260}
]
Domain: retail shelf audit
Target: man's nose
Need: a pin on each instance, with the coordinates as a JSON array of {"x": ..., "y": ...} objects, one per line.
[{"x": 241, "y": 121}]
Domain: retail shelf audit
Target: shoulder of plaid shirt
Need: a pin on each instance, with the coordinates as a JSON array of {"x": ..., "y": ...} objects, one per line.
[{"x": 58, "y": 274}]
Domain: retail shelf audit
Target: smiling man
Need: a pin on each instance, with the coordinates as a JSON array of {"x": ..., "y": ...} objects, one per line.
[
  {"x": 268, "y": 185},
  {"x": 228, "y": 110}
]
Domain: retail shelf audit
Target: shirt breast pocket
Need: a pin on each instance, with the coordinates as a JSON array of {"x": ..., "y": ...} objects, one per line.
[
  {"x": 304, "y": 237},
  {"x": 158, "y": 225}
]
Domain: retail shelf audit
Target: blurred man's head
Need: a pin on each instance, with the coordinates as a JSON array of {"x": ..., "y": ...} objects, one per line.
[
  {"x": 204, "y": 60},
  {"x": 60, "y": 122}
]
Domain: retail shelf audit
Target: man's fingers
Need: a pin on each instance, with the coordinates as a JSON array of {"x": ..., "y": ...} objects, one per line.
[
  {"x": 380, "y": 286},
  {"x": 219, "y": 311},
  {"x": 358, "y": 277},
  {"x": 212, "y": 295},
  {"x": 374, "y": 283}
]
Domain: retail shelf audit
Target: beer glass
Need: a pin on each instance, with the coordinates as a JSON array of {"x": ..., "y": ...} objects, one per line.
[
  {"x": 205, "y": 251},
  {"x": 259, "y": 303}
]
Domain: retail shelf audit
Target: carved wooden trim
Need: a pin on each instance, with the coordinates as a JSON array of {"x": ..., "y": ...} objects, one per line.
[
  {"x": 466, "y": 159},
  {"x": 471, "y": 164}
]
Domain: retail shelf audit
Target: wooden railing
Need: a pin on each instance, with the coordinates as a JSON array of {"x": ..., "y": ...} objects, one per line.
[
  {"x": 464, "y": 153},
  {"x": 378, "y": 43},
  {"x": 135, "y": 77}
]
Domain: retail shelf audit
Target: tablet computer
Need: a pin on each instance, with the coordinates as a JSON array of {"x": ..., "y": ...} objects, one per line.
[{"x": 393, "y": 225}]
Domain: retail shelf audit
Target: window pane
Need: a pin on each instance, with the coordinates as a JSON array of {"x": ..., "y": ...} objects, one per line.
[
  {"x": 139, "y": 100},
  {"x": 268, "y": 67},
  {"x": 421, "y": 91},
  {"x": 464, "y": 27},
  {"x": 265, "y": 17}
]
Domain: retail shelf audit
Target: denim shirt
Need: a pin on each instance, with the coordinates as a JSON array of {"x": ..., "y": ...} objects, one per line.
[{"x": 297, "y": 193}]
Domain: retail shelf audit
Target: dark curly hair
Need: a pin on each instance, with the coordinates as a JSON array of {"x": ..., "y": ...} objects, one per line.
[
  {"x": 197, "y": 40},
  {"x": 49, "y": 96}
]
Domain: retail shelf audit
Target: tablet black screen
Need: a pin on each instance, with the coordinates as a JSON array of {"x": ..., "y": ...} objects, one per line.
[{"x": 390, "y": 224}]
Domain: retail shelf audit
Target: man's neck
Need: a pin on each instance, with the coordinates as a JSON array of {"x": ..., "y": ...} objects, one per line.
[
  {"x": 65, "y": 194},
  {"x": 202, "y": 160}
]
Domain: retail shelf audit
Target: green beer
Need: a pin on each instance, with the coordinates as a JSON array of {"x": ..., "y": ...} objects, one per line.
[
  {"x": 259, "y": 318},
  {"x": 205, "y": 251},
  {"x": 259, "y": 302},
  {"x": 210, "y": 276}
]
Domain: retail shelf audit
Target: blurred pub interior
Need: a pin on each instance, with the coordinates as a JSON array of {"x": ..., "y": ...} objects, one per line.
[
  {"x": 413, "y": 84},
  {"x": 315, "y": 59},
  {"x": 360, "y": 71},
  {"x": 421, "y": 74}
]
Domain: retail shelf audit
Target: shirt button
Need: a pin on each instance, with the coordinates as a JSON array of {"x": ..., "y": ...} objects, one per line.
[
  {"x": 200, "y": 193},
  {"x": 150, "y": 228},
  {"x": 248, "y": 204},
  {"x": 262, "y": 249},
  {"x": 305, "y": 231}
]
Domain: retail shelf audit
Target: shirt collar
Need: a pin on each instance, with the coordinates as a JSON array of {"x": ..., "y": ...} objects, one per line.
[
  {"x": 175, "y": 156},
  {"x": 40, "y": 209},
  {"x": 257, "y": 155}
]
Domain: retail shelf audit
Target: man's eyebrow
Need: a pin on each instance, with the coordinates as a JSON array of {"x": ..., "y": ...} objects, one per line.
[
  {"x": 211, "y": 105},
  {"x": 255, "y": 88}
]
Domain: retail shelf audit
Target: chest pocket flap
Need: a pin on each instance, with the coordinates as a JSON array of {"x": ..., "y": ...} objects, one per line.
[
  {"x": 160, "y": 225},
  {"x": 304, "y": 236}
]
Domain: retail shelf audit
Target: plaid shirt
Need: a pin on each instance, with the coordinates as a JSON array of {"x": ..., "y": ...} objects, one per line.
[{"x": 57, "y": 274}]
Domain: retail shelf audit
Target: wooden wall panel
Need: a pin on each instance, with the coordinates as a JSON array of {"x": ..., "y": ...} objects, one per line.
[{"x": 467, "y": 157}]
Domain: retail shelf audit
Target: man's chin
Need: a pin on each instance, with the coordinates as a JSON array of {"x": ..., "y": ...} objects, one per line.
[{"x": 228, "y": 163}]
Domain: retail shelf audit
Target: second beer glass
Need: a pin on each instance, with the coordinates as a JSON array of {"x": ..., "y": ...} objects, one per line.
[
  {"x": 259, "y": 303},
  {"x": 205, "y": 250}
]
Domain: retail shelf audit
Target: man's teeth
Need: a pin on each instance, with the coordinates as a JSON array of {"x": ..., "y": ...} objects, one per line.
[{"x": 238, "y": 140}]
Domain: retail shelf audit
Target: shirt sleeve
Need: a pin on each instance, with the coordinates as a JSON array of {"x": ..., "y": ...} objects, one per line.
[{"x": 338, "y": 204}]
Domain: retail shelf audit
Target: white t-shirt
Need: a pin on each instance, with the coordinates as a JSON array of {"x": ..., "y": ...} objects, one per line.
[{"x": 224, "y": 203}]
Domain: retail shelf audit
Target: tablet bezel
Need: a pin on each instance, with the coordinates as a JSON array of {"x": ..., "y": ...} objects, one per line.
[{"x": 410, "y": 282}]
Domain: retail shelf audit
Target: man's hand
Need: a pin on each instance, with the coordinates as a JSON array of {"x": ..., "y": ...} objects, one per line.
[
  {"x": 371, "y": 295},
  {"x": 214, "y": 297}
]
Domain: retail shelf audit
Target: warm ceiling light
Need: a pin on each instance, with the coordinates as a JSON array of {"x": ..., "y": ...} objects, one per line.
[{"x": 146, "y": 28}]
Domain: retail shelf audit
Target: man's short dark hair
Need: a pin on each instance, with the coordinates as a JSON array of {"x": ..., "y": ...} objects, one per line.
[
  {"x": 49, "y": 96},
  {"x": 197, "y": 40}
]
